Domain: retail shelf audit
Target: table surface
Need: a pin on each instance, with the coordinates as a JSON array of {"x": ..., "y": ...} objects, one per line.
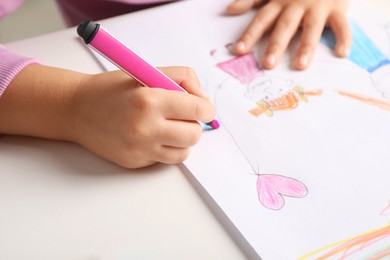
[{"x": 59, "y": 201}]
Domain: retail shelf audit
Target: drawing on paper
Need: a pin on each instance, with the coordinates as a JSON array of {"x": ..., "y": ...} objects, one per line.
[
  {"x": 287, "y": 101},
  {"x": 365, "y": 54},
  {"x": 272, "y": 189},
  {"x": 346, "y": 248},
  {"x": 263, "y": 95},
  {"x": 357, "y": 245},
  {"x": 269, "y": 94},
  {"x": 386, "y": 210},
  {"x": 382, "y": 104}
]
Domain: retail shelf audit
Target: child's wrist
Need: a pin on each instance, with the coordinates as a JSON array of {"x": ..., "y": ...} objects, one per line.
[{"x": 74, "y": 126}]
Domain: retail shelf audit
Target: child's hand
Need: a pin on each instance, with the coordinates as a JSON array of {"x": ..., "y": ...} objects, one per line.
[
  {"x": 135, "y": 126},
  {"x": 110, "y": 113},
  {"x": 283, "y": 18}
]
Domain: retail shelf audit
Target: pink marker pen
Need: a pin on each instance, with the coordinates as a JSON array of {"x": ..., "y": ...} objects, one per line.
[{"x": 128, "y": 61}]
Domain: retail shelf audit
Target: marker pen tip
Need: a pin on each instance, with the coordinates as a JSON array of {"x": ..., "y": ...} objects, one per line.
[{"x": 214, "y": 124}]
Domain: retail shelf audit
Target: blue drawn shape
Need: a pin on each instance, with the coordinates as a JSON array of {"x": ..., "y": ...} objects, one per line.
[{"x": 363, "y": 53}]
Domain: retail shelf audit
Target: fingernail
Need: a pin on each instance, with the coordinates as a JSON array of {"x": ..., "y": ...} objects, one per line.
[
  {"x": 240, "y": 46},
  {"x": 204, "y": 93},
  {"x": 231, "y": 48},
  {"x": 303, "y": 60},
  {"x": 270, "y": 59},
  {"x": 343, "y": 51}
]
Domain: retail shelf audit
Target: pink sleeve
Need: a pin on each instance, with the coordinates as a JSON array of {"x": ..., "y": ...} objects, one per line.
[
  {"x": 8, "y": 6},
  {"x": 10, "y": 65},
  {"x": 76, "y": 11}
]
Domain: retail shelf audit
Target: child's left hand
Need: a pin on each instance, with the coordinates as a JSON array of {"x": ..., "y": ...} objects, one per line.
[{"x": 283, "y": 18}]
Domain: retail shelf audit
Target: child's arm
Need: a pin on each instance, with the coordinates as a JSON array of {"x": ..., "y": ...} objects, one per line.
[
  {"x": 283, "y": 18},
  {"x": 109, "y": 113}
]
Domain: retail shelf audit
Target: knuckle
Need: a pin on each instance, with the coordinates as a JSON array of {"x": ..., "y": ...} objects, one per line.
[
  {"x": 137, "y": 131},
  {"x": 203, "y": 110},
  {"x": 312, "y": 19},
  {"x": 144, "y": 102},
  {"x": 312, "y": 23},
  {"x": 194, "y": 136},
  {"x": 285, "y": 24},
  {"x": 258, "y": 18},
  {"x": 249, "y": 36},
  {"x": 182, "y": 155},
  {"x": 176, "y": 156},
  {"x": 305, "y": 48},
  {"x": 198, "y": 111},
  {"x": 189, "y": 72},
  {"x": 274, "y": 47}
]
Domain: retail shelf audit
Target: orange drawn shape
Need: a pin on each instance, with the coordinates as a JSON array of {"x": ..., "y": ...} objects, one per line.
[
  {"x": 302, "y": 93},
  {"x": 257, "y": 111},
  {"x": 314, "y": 92},
  {"x": 368, "y": 100},
  {"x": 262, "y": 107},
  {"x": 285, "y": 102},
  {"x": 288, "y": 101}
]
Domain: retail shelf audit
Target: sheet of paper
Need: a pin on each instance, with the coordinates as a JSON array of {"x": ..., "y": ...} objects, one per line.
[{"x": 300, "y": 164}]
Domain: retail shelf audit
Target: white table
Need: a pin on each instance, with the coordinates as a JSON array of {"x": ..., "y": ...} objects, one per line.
[{"x": 59, "y": 201}]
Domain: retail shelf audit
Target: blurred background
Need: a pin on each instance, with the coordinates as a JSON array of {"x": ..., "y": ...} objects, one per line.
[{"x": 34, "y": 17}]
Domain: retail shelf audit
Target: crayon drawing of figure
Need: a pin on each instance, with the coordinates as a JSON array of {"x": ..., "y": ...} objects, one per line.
[
  {"x": 269, "y": 94},
  {"x": 261, "y": 94}
]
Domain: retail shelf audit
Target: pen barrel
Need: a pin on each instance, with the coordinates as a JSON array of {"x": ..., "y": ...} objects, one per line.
[{"x": 130, "y": 62}]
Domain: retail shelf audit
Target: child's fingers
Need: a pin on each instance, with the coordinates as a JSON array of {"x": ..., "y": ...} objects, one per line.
[
  {"x": 180, "y": 134},
  {"x": 313, "y": 25},
  {"x": 171, "y": 155},
  {"x": 340, "y": 27},
  {"x": 186, "y": 78},
  {"x": 285, "y": 28},
  {"x": 261, "y": 23},
  {"x": 184, "y": 106}
]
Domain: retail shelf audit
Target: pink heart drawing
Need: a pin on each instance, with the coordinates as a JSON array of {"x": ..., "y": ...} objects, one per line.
[{"x": 272, "y": 187}]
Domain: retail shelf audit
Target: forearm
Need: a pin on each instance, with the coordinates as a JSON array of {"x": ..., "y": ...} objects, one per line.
[{"x": 38, "y": 102}]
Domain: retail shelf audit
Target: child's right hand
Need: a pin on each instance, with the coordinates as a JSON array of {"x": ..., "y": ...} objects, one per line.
[{"x": 135, "y": 126}]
